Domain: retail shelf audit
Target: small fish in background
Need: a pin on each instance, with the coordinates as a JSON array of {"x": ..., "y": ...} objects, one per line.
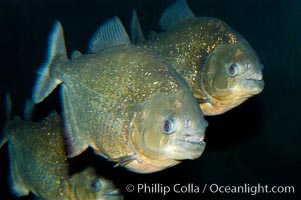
[
  {"x": 88, "y": 185},
  {"x": 219, "y": 65},
  {"x": 129, "y": 105},
  {"x": 38, "y": 162}
]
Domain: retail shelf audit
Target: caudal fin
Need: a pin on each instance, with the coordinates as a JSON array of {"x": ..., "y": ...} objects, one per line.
[{"x": 45, "y": 83}]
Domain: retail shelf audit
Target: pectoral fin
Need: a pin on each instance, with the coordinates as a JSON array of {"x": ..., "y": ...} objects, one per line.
[
  {"x": 202, "y": 100},
  {"x": 124, "y": 160}
]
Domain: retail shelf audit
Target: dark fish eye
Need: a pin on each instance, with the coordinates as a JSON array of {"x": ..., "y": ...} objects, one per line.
[
  {"x": 233, "y": 69},
  {"x": 95, "y": 184},
  {"x": 169, "y": 125}
]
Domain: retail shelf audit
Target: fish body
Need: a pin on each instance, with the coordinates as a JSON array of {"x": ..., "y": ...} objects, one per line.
[
  {"x": 37, "y": 158},
  {"x": 38, "y": 164},
  {"x": 220, "y": 67},
  {"x": 126, "y": 103}
]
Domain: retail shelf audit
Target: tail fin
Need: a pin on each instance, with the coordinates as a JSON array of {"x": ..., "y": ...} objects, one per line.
[
  {"x": 136, "y": 31},
  {"x": 3, "y": 139},
  {"x": 45, "y": 84}
]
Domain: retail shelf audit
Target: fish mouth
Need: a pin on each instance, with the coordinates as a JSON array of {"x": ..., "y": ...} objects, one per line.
[
  {"x": 254, "y": 86},
  {"x": 113, "y": 193},
  {"x": 192, "y": 147},
  {"x": 194, "y": 140}
]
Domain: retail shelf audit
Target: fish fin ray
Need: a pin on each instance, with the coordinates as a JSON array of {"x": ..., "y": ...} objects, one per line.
[
  {"x": 123, "y": 160},
  {"x": 202, "y": 100},
  {"x": 136, "y": 31},
  {"x": 75, "y": 54},
  {"x": 111, "y": 33},
  {"x": 45, "y": 84},
  {"x": 175, "y": 13},
  {"x": 75, "y": 145}
]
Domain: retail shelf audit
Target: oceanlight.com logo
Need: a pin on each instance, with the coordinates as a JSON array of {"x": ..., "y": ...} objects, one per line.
[{"x": 190, "y": 188}]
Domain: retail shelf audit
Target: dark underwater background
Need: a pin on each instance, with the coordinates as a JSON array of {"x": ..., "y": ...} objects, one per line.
[{"x": 257, "y": 142}]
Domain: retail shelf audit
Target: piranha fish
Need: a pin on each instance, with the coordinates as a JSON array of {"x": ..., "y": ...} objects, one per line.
[
  {"x": 219, "y": 65},
  {"x": 88, "y": 185},
  {"x": 38, "y": 163},
  {"x": 129, "y": 105}
]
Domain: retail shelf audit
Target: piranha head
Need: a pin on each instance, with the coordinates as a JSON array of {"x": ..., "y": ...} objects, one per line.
[
  {"x": 170, "y": 128},
  {"x": 88, "y": 185},
  {"x": 231, "y": 75}
]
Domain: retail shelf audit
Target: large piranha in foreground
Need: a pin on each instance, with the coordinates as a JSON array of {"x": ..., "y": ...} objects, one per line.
[{"x": 126, "y": 103}]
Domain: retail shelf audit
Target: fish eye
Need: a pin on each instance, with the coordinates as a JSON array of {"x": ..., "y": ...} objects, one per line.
[
  {"x": 95, "y": 185},
  {"x": 233, "y": 69},
  {"x": 169, "y": 125}
]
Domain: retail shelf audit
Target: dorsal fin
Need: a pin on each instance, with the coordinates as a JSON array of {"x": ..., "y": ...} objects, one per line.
[
  {"x": 76, "y": 54},
  {"x": 29, "y": 109},
  {"x": 111, "y": 33},
  {"x": 175, "y": 13},
  {"x": 136, "y": 31}
]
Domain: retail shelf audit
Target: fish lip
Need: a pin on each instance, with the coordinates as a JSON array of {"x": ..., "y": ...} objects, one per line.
[
  {"x": 254, "y": 77},
  {"x": 113, "y": 193},
  {"x": 254, "y": 83},
  {"x": 194, "y": 140}
]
